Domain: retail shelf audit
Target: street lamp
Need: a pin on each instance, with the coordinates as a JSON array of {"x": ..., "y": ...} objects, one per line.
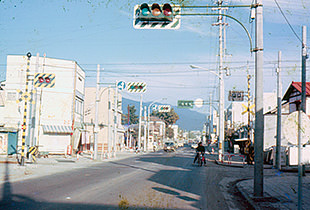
[
  {"x": 221, "y": 109},
  {"x": 148, "y": 117}
]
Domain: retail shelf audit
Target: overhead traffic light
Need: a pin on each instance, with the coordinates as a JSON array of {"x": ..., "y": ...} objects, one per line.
[
  {"x": 156, "y": 16},
  {"x": 186, "y": 104},
  {"x": 164, "y": 108},
  {"x": 155, "y": 12},
  {"x": 44, "y": 80},
  {"x": 136, "y": 87},
  {"x": 235, "y": 95}
]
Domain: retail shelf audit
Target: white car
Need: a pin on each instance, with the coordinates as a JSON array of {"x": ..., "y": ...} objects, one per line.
[{"x": 194, "y": 146}]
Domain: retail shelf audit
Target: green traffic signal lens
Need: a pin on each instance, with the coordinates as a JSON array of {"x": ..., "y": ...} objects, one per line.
[{"x": 145, "y": 10}]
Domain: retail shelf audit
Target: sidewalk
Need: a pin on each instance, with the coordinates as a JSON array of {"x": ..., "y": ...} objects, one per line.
[
  {"x": 280, "y": 189},
  {"x": 11, "y": 171}
]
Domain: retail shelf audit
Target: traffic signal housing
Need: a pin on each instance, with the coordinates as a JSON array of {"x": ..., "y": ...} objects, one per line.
[
  {"x": 189, "y": 104},
  {"x": 235, "y": 95},
  {"x": 164, "y": 108},
  {"x": 136, "y": 87},
  {"x": 156, "y": 16},
  {"x": 155, "y": 12},
  {"x": 44, "y": 80}
]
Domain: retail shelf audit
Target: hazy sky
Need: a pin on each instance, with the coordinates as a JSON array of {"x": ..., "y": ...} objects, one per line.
[{"x": 101, "y": 32}]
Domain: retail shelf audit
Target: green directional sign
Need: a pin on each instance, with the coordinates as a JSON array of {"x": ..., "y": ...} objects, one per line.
[{"x": 189, "y": 104}]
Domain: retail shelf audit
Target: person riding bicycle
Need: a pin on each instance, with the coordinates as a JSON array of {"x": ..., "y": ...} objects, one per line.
[{"x": 201, "y": 149}]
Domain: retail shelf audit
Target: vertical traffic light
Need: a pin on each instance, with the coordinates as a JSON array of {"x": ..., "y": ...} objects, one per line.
[{"x": 156, "y": 16}]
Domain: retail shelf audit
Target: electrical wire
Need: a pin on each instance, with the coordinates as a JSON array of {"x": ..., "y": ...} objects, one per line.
[{"x": 287, "y": 21}]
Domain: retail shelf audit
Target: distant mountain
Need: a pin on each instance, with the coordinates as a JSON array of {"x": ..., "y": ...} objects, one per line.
[{"x": 189, "y": 120}]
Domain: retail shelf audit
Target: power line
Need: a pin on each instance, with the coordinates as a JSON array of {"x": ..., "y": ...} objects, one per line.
[{"x": 287, "y": 20}]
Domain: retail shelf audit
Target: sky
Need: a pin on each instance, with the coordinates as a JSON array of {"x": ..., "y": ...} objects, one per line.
[{"x": 101, "y": 32}]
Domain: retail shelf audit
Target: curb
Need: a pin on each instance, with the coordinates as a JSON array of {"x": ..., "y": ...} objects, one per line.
[
  {"x": 230, "y": 165},
  {"x": 246, "y": 196}
]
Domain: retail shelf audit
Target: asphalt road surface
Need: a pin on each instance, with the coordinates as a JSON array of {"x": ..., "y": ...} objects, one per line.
[{"x": 157, "y": 180}]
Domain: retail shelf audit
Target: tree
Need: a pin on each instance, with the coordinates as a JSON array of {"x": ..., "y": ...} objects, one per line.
[
  {"x": 133, "y": 118},
  {"x": 169, "y": 118}
]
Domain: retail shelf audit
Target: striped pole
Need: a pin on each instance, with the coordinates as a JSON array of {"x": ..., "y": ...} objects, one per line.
[{"x": 22, "y": 162}]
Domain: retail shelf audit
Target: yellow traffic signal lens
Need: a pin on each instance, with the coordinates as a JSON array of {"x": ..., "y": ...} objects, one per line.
[{"x": 156, "y": 10}]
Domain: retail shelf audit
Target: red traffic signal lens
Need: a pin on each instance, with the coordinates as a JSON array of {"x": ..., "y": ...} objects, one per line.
[
  {"x": 167, "y": 9},
  {"x": 41, "y": 79},
  {"x": 47, "y": 80},
  {"x": 156, "y": 9}
]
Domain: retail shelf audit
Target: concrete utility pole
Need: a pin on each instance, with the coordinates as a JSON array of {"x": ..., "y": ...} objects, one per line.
[
  {"x": 115, "y": 120},
  {"x": 140, "y": 120},
  {"x": 221, "y": 83},
  {"x": 210, "y": 117},
  {"x": 145, "y": 141},
  {"x": 109, "y": 155},
  {"x": 32, "y": 110},
  {"x": 302, "y": 109},
  {"x": 259, "y": 103},
  {"x": 303, "y": 71},
  {"x": 249, "y": 104},
  {"x": 279, "y": 113},
  {"x": 96, "y": 129}
]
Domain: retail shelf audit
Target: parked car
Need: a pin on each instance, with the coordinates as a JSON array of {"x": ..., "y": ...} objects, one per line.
[
  {"x": 194, "y": 145},
  {"x": 169, "y": 147}
]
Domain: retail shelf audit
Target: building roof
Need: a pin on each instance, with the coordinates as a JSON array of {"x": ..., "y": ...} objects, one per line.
[{"x": 296, "y": 86}]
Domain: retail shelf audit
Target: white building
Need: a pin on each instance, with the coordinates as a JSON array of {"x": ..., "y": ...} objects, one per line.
[
  {"x": 54, "y": 111},
  {"x": 107, "y": 111},
  {"x": 235, "y": 116}
]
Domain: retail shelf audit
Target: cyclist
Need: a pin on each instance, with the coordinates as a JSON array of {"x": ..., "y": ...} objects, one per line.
[{"x": 201, "y": 149}]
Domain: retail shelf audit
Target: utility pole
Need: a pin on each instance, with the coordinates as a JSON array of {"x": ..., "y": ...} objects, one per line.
[
  {"x": 140, "y": 120},
  {"x": 210, "y": 117},
  {"x": 259, "y": 103},
  {"x": 96, "y": 129},
  {"x": 302, "y": 109},
  {"x": 32, "y": 110},
  {"x": 109, "y": 124},
  {"x": 145, "y": 141},
  {"x": 279, "y": 113},
  {"x": 249, "y": 104},
  {"x": 221, "y": 83},
  {"x": 115, "y": 120}
]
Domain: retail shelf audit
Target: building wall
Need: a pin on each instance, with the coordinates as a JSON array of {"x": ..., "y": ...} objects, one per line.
[
  {"x": 54, "y": 106},
  {"x": 105, "y": 116},
  {"x": 270, "y": 101},
  {"x": 237, "y": 118},
  {"x": 308, "y": 106}
]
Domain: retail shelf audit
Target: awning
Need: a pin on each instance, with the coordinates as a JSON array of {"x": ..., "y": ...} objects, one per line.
[
  {"x": 57, "y": 129},
  {"x": 243, "y": 139}
]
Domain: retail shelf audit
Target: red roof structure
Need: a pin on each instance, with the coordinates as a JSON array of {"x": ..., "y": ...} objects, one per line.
[{"x": 296, "y": 86}]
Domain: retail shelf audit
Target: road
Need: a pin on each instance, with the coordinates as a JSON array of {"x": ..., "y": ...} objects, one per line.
[{"x": 151, "y": 181}]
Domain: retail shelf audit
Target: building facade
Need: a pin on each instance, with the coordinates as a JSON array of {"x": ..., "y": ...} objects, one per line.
[
  {"x": 111, "y": 131},
  {"x": 55, "y": 113}
]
